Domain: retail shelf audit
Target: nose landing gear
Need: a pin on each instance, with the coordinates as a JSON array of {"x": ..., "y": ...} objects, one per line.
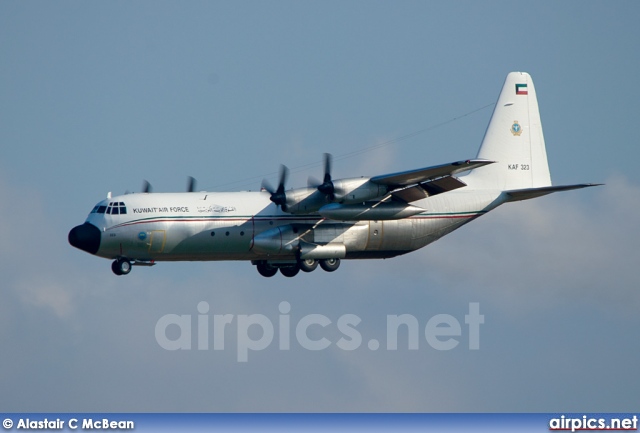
[{"x": 121, "y": 266}]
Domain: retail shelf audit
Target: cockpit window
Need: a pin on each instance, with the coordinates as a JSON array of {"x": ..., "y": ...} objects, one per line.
[{"x": 116, "y": 208}]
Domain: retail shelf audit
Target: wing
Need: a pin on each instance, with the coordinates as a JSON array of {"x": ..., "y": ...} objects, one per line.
[
  {"x": 420, "y": 175},
  {"x": 417, "y": 184}
]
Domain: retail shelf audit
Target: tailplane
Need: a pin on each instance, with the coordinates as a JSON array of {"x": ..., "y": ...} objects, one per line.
[{"x": 514, "y": 140}]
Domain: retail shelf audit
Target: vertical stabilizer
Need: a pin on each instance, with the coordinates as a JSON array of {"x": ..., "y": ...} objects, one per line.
[{"x": 514, "y": 140}]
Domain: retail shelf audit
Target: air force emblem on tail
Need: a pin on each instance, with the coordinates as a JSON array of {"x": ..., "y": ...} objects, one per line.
[{"x": 516, "y": 129}]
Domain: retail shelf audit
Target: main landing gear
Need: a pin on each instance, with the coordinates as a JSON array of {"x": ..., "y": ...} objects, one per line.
[{"x": 267, "y": 269}]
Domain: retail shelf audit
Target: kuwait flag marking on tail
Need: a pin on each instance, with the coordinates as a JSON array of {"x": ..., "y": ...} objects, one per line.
[{"x": 521, "y": 89}]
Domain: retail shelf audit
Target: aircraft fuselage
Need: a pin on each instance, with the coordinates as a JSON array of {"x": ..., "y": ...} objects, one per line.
[{"x": 205, "y": 226}]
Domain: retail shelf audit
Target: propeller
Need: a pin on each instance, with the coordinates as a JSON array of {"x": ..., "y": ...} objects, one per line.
[
  {"x": 191, "y": 184},
  {"x": 326, "y": 187},
  {"x": 278, "y": 196},
  {"x": 146, "y": 187}
]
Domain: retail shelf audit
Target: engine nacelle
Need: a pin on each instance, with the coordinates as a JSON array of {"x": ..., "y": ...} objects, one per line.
[
  {"x": 302, "y": 201},
  {"x": 357, "y": 190},
  {"x": 369, "y": 211}
]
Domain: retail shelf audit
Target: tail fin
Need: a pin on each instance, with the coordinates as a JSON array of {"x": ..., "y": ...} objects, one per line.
[{"x": 514, "y": 140}]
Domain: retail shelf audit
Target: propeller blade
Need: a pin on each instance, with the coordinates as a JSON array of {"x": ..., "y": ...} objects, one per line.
[
  {"x": 267, "y": 186},
  {"x": 146, "y": 187},
  {"x": 327, "y": 167},
  {"x": 278, "y": 196},
  {"x": 191, "y": 184},
  {"x": 312, "y": 182},
  {"x": 327, "y": 187},
  {"x": 284, "y": 174}
]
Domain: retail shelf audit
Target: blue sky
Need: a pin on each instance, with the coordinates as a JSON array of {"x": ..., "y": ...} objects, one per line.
[{"x": 98, "y": 96}]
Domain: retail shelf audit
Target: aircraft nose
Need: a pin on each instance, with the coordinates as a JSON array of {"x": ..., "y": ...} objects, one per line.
[{"x": 85, "y": 237}]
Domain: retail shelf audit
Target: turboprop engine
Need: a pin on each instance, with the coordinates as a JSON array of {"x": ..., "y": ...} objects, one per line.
[
  {"x": 316, "y": 195},
  {"x": 346, "y": 191}
]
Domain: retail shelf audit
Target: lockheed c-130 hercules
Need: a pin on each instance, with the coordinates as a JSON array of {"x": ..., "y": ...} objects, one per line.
[{"x": 357, "y": 218}]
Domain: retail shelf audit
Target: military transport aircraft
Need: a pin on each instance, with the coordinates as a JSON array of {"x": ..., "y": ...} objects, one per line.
[{"x": 294, "y": 230}]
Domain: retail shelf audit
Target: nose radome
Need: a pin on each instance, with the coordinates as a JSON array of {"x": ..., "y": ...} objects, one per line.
[{"x": 85, "y": 237}]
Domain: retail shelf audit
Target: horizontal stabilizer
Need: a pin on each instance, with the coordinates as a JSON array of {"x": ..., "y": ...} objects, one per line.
[
  {"x": 527, "y": 193},
  {"x": 412, "y": 177}
]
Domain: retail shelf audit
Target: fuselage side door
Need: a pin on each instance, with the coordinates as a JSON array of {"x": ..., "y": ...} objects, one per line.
[{"x": 157, "y": 239}]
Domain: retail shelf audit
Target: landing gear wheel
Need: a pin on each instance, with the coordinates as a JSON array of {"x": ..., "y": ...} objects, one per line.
[
  {"x": 121, "y": 266},
  {"x": 290, "y": 271},
  {"x": 114, "y": 268},
  {"x": 308, "y": 265},
  {"x": 330, "y": 265},
  {"x": 266, "y": 270}
]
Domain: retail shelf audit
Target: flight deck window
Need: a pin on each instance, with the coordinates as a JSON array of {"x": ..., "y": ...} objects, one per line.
[
  {"x": 95, "y": 209},
  {"x": 102, "y": 209},
  {"x": 114, "y": 208}
]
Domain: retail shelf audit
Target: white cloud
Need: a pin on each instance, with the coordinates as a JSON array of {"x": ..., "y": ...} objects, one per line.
[
  {"x": 556, "y": 250},
  {"x": 373, "y": 162},
  {"x": 40, "y": 292}
]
